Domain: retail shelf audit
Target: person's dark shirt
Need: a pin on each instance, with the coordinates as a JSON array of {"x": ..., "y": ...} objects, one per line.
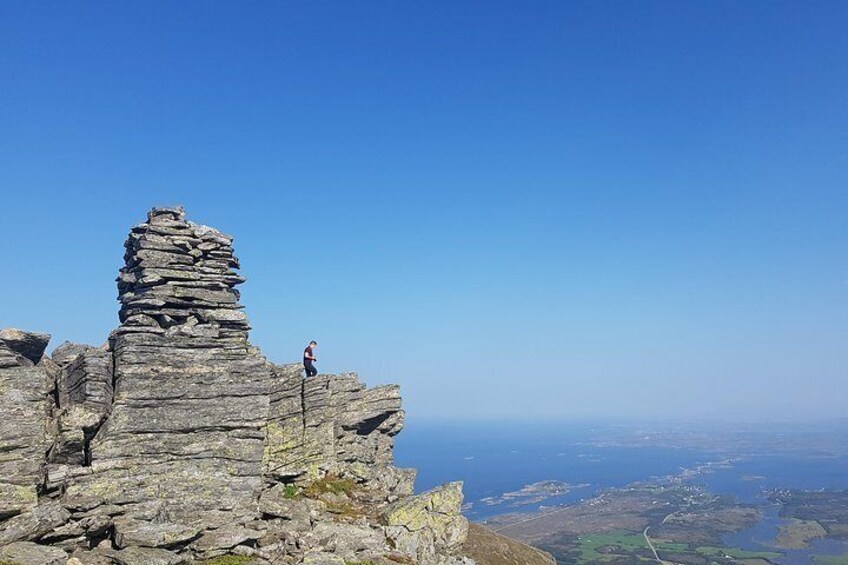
[{"x": 307, "y": 354}]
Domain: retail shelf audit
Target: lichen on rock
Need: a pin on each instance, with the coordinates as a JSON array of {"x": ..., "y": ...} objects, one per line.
[{"x": 428, "y": 525}]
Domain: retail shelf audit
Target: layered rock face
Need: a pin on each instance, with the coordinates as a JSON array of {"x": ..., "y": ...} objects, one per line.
[
  {"x": 333, "y": 424},
  {"x": 26, "y": 408},
  {"x": 189, "y": 396},
  {"x": 177, "y": 441}
]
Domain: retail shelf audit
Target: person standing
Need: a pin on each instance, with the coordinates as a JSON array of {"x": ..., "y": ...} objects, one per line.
[{"x": 309, "y": 358}]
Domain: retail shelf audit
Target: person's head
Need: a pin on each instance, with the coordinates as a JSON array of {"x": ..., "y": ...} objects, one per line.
[{"x": 313, "y": 343}]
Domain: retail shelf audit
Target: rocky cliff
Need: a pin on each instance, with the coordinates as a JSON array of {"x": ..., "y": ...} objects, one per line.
[{"x": 178, "y": 442}]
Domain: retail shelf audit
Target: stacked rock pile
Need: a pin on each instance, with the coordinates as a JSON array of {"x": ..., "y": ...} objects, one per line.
[{"x": 179, "y": 277}]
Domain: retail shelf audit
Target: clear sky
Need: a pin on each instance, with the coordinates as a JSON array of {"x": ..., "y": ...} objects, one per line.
[{"x": 515, "y": 210}]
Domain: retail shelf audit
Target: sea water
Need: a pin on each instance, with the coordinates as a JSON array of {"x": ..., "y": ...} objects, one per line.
[
  {"x": 751, "y": 478},
  {"x": 493, "y": 459}
]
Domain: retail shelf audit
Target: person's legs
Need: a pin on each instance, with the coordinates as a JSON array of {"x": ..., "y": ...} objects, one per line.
[{"x": 311, "y": 371}]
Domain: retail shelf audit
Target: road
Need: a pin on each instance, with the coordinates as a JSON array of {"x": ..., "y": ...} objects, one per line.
[
  {"x": 539, "y": 517},
  {"x": 651, "y": 545}
]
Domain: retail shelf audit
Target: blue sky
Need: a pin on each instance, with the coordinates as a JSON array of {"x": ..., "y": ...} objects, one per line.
[{"x": 516, "y": 210}]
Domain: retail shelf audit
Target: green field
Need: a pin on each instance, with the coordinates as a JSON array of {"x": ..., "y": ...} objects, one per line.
[
  {"x": 798, "y": 534},
  {"x": 613, "y": 546},
  {"x": 595, "y": 548},
  {"x": 736, "y": 553},
  {"x": 830, "y": 559}
]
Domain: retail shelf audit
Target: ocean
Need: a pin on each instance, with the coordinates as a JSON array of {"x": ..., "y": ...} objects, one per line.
[{"x": 493, "y": 459}]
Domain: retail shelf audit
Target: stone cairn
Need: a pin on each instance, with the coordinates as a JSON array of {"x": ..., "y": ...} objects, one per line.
[
  {"x": 179, "y": 277},
  {"x": 190, "y": 395}
]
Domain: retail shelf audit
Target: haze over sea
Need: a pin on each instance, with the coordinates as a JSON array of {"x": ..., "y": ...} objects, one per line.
[{"x": 498, "y": 458}]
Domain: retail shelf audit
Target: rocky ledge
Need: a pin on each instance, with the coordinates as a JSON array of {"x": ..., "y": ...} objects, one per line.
[{"x": 178, "y": 442}]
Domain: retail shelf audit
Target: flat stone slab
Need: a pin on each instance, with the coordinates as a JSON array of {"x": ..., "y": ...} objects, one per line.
[
  {"x": 146, "y": 556},
  {"x": 147, "y": 534},
  {"x": 225, "y": 538},
  {"x": 14, "y": 499},
  {"x": 28, "y": 553},
  {"x": 41, "y": 520},
  {"x": 29, "y": 345}
]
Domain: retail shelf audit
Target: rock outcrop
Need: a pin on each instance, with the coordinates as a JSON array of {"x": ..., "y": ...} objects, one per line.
[
  {"x": 26, "y": 406},
  {"x": 178, "y": 442},
  {"x": 21, "y": 348},
  {"x": 333, "y": 424},
  {"x": 189, "y": 395},
  {"x": 429, "y": 524}
]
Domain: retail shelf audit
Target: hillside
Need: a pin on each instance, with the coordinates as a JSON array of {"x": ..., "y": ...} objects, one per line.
[{"x": 489, "y": 548}]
